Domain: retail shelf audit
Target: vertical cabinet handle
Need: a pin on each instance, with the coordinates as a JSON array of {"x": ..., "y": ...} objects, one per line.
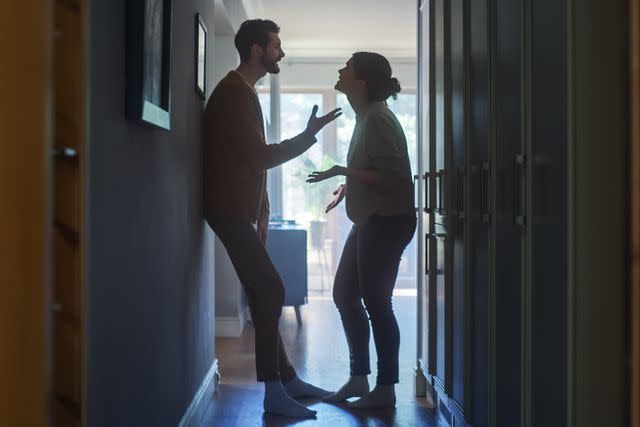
[
  {"x": 427, "y": 241},
  {"x": 426, "y": 178},
  {"x": 518, "y": 190},
  {"x": 427, "y": 181},
  {"x": 461, "y": 194},
  {"x": 440, "y": 174},
  {"x": 415, "y": 178},
  {"x": 485, "y": 193}
]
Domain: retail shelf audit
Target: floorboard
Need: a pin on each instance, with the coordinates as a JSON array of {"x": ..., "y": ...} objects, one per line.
[{"x": 318, "y": 350}]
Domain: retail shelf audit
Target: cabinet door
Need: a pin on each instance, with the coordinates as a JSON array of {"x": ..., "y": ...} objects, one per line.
[
  {"x": 457, "y": 210},
  {"x": 441, "y": 144},
  {"x": 508, "y": 214},
  {"x": 479, "y": 205},
  {"x": 547, "y": 229},
  {"x": 427, "y": 132}
]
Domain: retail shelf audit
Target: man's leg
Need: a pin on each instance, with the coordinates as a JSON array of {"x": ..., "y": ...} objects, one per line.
[{"x": 265, "y": 295}]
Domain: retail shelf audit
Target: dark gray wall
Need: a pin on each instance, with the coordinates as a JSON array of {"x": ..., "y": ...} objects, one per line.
[{"x": 150, "y": 255}]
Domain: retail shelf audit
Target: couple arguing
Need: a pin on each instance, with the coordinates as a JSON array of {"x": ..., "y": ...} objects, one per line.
[{"x": 379, "y": 201}]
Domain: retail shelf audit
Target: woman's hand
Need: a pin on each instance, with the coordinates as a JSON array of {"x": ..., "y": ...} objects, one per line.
[
  {"x": 340, "y": 192},
  {"x": 329, "y": 173}
]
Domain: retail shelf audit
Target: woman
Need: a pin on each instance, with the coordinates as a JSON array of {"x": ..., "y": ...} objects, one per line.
[{"x": 380, "y": 202}]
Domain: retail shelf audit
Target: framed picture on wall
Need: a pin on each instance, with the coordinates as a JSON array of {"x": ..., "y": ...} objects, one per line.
[
  {"x": 201, "y": 57},
  {"x": 148, "y": 56}
]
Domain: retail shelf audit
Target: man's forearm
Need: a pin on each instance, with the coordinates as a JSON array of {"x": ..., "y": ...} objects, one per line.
[{"x": 277, "y": 154}]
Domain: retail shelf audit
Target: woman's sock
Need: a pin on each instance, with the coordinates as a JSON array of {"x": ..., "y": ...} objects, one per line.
[
  {"x": 297, "y": 388},
  {"x": 278, "y": 402},
  {"x": 357, "y": 386},
  {"x": 382, "y": 396}
]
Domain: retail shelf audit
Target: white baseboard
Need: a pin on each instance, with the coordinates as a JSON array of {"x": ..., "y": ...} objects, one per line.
[
  {"x": 198, "y": 406},
  {"x": 230, "y": 326}
]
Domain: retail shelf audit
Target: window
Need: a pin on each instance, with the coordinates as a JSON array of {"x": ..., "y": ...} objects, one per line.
[{"x": 305, "y": 203}]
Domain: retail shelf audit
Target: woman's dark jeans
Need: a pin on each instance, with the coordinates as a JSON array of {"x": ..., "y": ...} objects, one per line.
[{"x": 367, "y": 272}]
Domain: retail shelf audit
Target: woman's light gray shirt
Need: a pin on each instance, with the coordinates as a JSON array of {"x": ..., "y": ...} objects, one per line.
[{"x": 378, "y": 143}]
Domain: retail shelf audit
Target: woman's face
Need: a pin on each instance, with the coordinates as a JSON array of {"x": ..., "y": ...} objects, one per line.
[{"x": 347, "y": 82}]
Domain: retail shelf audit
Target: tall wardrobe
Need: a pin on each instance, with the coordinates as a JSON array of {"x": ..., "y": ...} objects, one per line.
[{"x": 499, "y": 177}]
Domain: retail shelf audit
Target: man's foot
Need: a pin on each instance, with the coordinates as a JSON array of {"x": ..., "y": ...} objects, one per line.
[
  {"x": 357, "y": 386},
  {"x": 382, "y": 396},
  {"x": 278, "y": 402},
  {"x": 297, "y": 388}
]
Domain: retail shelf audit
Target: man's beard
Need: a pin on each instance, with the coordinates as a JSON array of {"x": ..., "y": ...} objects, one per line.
[{"x": 270, "y": 65}]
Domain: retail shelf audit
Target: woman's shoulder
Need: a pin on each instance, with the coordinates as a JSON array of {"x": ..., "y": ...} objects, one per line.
[{"x": 382, "y": 119}]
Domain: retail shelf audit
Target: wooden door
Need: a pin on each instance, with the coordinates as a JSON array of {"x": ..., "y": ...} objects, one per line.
[
  {"x": 68, "y": 150},
  {"x": 25, "y": 135}
]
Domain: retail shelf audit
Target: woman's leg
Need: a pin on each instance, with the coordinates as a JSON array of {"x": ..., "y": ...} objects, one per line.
[
  {"x": 381, "y": 243},
  {"x": 346, "y": 295}
]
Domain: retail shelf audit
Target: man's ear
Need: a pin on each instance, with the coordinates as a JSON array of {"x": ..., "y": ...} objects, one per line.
[{"x": 256, "y": 50}]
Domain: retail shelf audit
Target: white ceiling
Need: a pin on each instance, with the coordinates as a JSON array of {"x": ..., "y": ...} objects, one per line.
[{"x": 337, "y": 28}]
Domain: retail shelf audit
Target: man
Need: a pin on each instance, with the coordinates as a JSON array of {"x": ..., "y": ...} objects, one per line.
[{"x": 236, "y": 160}]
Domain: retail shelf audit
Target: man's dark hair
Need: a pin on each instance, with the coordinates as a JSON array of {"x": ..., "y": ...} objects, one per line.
[
  {"x": 253, "y": 31},
  {"x": 375, "y": 70}
]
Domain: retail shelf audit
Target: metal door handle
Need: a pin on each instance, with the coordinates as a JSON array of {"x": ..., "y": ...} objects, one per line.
[
  {"x": 65, "y": 152},
  {"x": 427, "y": 180},
  {"x": 461, "y": 195},
  {"x": 415, "y": 178},
  {"x": 485, "y": 193},
  {"x": 519, "y": 207}
]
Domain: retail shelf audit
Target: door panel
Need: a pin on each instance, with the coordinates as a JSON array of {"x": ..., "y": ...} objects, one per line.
[
  {"x": 508, "y": 192},
  {"x": 548, "y": 226},
  {"x": 68, "y": 172},
  {"x": 66, "y": 277},
  {"x": 426, "y": 109},
  {"x": 457, "y": 211},
  {"x": 439, "y": 238},
  {"x": 442, "y": 138},
  {"x": 479, "y": 254}
]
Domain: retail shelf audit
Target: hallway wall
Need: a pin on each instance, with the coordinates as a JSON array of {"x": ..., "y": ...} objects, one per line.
[{"x": 150, "y": 270}]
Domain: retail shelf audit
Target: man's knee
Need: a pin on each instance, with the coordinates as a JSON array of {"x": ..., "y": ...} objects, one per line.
[{"x": 271, "y": 295}]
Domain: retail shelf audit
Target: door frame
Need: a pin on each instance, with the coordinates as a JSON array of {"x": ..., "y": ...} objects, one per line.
[{"x": 634, "y": 212}]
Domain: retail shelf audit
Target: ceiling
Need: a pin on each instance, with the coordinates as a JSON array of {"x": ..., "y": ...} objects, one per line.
[{"x": 337, "y": 28}]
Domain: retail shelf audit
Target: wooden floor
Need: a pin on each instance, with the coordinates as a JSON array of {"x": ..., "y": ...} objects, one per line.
[{"x": 318, "y": 350}]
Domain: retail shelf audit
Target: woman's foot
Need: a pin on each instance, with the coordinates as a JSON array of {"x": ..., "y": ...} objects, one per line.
[
  {"x": 297, "y": 388},
  {"x": 357, "y": 386},
  {"x": 278, "y": 402},
  {"x": 382, "y": 396}
]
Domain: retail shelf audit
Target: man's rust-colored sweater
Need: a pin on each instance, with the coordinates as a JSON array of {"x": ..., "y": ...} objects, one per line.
[{"x": 236, "y": 155}]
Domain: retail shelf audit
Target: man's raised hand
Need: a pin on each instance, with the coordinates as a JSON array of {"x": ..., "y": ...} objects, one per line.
[{"x": 316, "y": 123}]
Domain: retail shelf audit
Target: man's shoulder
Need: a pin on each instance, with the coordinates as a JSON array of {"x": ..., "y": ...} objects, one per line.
[{"x": 234, "y": 81}]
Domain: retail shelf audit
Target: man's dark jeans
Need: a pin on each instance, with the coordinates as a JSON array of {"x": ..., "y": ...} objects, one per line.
[{"x": 265, "y": 293}]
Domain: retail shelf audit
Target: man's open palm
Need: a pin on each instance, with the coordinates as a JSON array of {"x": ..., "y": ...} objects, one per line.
[{"x": 316, "y": 123}]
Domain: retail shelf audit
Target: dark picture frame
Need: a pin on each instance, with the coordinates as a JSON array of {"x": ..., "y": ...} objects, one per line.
[
  {"x": 201, "y": 57},
  {"x": 148, "y": 55}
]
